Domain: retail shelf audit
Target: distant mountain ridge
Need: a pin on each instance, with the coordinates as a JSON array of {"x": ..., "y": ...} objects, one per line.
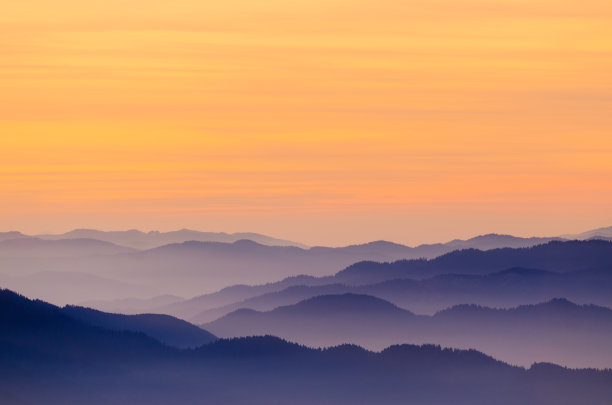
[
  {"x": 507, "y": 288},
  {"x": 148, "y": 240},
  {"x": 500, "y": 277},
  {"x": 12, "y": 235},
  {"x": 605, "y": 232},
  {"x": 554, "y": 256},
  {"x": 190, "y": 268},
  {"x": 555, "y": 331},
  {"x": 66, "y": 287},
  {"x": 77, "y": 247},
  {"x": 140, "y": 240}
]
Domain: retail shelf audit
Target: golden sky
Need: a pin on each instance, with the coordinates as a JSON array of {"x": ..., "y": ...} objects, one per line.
[{"x": 327, "y": 122}]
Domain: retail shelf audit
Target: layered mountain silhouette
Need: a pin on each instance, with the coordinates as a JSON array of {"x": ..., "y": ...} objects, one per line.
[
  {"x": 48, "y": 357},
  {"x": 193, "y": 268},
  {"x": 40, "y": 248},
  {"x": 552, "y": 256},
  {"x": 66, "y": 287},
  {"x": 579, "y": 270},
  {"x": 148, "y": 240},
  {"x": 506, "y": 288},
  {"x": 599, "y": 233},
  {"x": 190, "y": 268},
  {"x": 556, "y": 331},
  {"x": 132, "y": 306},
  {"x": 516, "y": 279},
  {"x": 12, "y": 235},
  {"x": 164, "y": 328},
  {"x": 226, "y": 297}
]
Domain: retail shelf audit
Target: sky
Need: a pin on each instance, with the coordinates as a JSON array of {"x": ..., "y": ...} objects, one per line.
[{"x": 326, "y": 122}]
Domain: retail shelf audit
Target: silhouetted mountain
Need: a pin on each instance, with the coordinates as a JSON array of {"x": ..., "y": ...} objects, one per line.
[
  {"x": 35, "y": 247},
  {"x": 193, "y": 268},
  {"x": 149, "y": 240},
  {"x": 507, "y": 288},
  {"x": 194, "y": 263},
  {"x": 48, "y": 358},
  {"x": 11, "y": 235},
  {"x": 557, "y": 331},
  {"x": 396, "y": 281},
  {"x": 264, "y": 302},
  {"x": 166, "y": 329},
  {"x": 62, "y": 287},
  {"x": 191, "y": 307},
  {"x": 332, "y": 305},
  {"x": 36, "y": 328},
  {"x": 592, "y": 234},
  {"x": 553, "y": 256},
  {"x": 132, "y": 306},
  {"x": 496, "y": 241}
]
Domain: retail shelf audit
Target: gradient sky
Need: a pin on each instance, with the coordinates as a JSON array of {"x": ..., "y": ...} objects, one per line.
[{"x": 326, "y": 122}]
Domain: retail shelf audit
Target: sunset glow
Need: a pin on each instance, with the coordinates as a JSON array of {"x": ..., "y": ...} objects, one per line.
[{"x": 327, "y": 122}]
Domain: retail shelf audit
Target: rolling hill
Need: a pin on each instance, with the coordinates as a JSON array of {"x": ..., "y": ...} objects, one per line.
[
  {"x": 555, "y": 331},
  {"x": 49, "y": 358},
  {"x": 506, "y": 288}
]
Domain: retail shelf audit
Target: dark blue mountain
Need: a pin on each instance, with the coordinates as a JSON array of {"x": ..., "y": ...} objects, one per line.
[
  {"x": 507, "y": 288},
  {"x": 37, "y": 328},
  {"x": 166, "y": 329},
  {"x": 49, "y": 358},
  {"x": 552, "y": 256}
]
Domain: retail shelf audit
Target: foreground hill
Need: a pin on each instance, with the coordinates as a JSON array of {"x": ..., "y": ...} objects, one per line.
[
  {"x": 47, "y": 357},
  {"x": 73, "y": 321},
  {"x": 556, "y": 331}
]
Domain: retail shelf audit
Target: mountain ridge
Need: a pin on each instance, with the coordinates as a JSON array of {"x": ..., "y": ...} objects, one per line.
[
  {"x": 49, "y": 358},
  {"x": 556, "y": 331}
]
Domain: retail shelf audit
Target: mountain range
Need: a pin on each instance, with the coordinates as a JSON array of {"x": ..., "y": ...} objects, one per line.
[
  {"x": 578, "y": 270},
  {"x": 163, "y": 328},
  {"x": 191, "y": 268},
  {"x": 504, "y": 289},
  {"x": 148, "y": 240},
  {"x": 556, "y": 331},
  {"x": 599, "y": 233},
  {"x": 47, "y": 357},
  {"x": 41, "y": 248}
]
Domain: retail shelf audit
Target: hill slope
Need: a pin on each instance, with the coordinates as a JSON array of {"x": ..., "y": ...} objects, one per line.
[
  {"x": 48, "y": 358},
  {"x": 557, "y": 331},
  {"x": 164, "y": 328},
  {"x": 507, "y": 288}
]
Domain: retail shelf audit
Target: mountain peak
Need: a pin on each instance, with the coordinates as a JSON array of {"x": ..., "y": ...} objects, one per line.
[{"x": 342, "y": 303}]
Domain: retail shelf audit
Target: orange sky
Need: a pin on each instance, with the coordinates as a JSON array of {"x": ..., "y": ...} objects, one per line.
[{"x": 327, "y": 122}]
